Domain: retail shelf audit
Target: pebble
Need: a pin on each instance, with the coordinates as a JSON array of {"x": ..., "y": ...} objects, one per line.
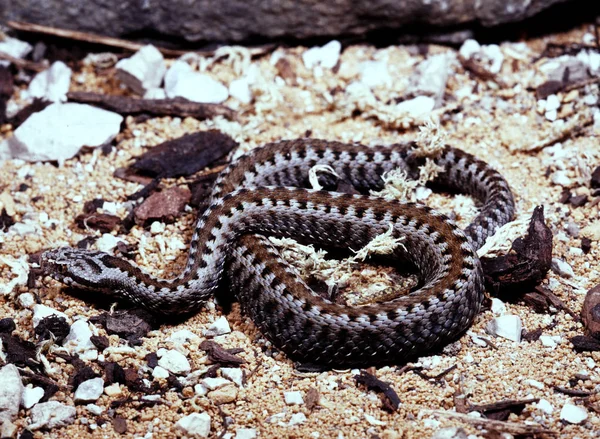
[
  {"x": 40, "y": 312},
  {"x": 233, "y": 374},
  {"x": 164, "y": 205},
  {"x": 196, "y": 424},
  {"x": 184, "y": 335},
  {"x": 498, "y": 306},
  {"x": 297, "y": 418},
  {"x": 560, "y": 178},
  {"x": 224, "y": 395},
  {"x": 549, "y": 341},
  {"x": 535, "y": 383},
  {"x": 417, "y": 107},
  {"x": 79, "y": 340},
  {"x": 51, "y": 85},
  {"x": 90, "y": 390},
  {"x": 450, "y": 433},
  {"x": 215, "y": 383},
  {"x": 573, "y": 414},
  {"x": 26, "y": 300},
  {"x": 507, "y": 326},
  {"x": 573, "y": 229},
  {"x": 94, "y": 409},
  {"x": 14, "y": 47},
  {"x": 155, "y": 93},
  {"x": 143, "y": 71},
  {"x": 375, "y": 73},
  {"x": 107, "y": 243},
  {"x": 245, "y": 433},
  {"x": 51, "y": 414},
  {"x": 294, "y": 397},
  {"x": 545, "y": 406},
  {"x": 113, "y": 390},
  {"x": 31, "y": 396},
  {"x": 240, "y": 90},
  {"x": 552, "y": 103},
  {"x": 182, "y": 81},
  {"x": 160, "y": 373},
  {"x": 562, "y": 268},
  {"x": 430, "y": 77},
  {"x": 59, "y": 131},
  {"x": 326, "y": 56},
  {"x": 174, "y": 361},
  {"x": 218, "y": 327},
  {"x": 11, "y": 392}
]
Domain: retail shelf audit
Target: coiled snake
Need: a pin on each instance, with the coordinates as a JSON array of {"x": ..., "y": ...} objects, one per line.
[{"x": 259, "y": 194}]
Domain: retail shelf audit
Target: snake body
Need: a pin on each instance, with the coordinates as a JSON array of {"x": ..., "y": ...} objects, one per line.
[{"x": 261, "y": 194}]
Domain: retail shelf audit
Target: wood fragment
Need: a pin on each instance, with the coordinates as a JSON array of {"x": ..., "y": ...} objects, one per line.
[
  {"x": 583, "y": 343},
  {"x": 573, "y": 128},
  {"x": 24, "y": 64},
  {"x": 590, "y": 312},
  {"x": 218, "y": 354},
  {"x": 177, "y": 107},
  {"x": 555, "y": 301},
  {"x": 480, "y": 71},
  {"x": 117, "y": 42},
  {"x": 391, "y": 401},
  {"x": 573, "y": 392},
  {"x": 490, "y": 424}
]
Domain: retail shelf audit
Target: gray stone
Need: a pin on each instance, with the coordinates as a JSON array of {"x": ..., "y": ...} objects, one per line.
[
  {"x": 51, "y": 414},
  {"x": 237, "y": 20},
  {"x": 11, "y": 392},
  {"x": 195, "y": 425},
  {"x": 90, "y": 390},
  {"x": 52, "y": 84},
  {"x": 143, "y": 71}
]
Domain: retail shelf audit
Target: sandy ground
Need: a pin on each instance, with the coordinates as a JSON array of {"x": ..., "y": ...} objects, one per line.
[{"x": 495, "y": 123}]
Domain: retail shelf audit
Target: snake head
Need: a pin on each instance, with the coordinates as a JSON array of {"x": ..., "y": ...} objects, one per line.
[{"x": 76, "y": 267}]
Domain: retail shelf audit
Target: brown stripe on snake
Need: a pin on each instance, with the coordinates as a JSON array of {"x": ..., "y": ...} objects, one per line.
[{"x": 309, "y": 329}]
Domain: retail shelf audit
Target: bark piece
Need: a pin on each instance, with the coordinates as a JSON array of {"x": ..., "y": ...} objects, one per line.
[
  {"x": 218, "y": 354},
  {"x": 391, "y": 401},
  {"x": 98, "y": 221},
  {"x": 590, "y": 312},
  {"x": 163, "y": 206}
]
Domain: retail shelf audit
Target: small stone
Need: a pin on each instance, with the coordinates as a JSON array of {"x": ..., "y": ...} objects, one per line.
[
  {"x": 562, "y": 268},
  {"x": 51, "y": 85},
  {"x": 498, "y": 306},
  {"x": 326, "y": 56},
  {"x": 219, "y": 327},
  {"x": 549, "y": 341},
  {"x": 430, "y": 77},
  {"x": 590, "y": 312},
  {"x": 163, "y": 206},
  {"x": 297, "y": 418},
  {"x": 182, "y": 336},
  {"x": 224, "y": 395},
  {"x": 573, "y": 414},
  {"x": 143, "y": 71},
  {"x": 26, "y": 300},
  {"x": 560, "y": 178},
  {"x": 182, "y": 81},
  {"x": 595, "y": 181},
  {"x": 160, "y": 373},
  {"x": 79, "y": 340},
  {"x": 31, "y": 396},
  {"x": 240, "y": 90},
  {"x": 14, "y": 47},
  {"x": 294, "y": 397},
  {"x": 592, "y": 231},
  {"x": 200, "y": 389},
  {"x": 233, "y": 374},
  {"x": 90, "y": 390},
  {"x": 107, "y": 243},
  {"x": 417, "y": 107},
  {"x": 113, "y": 390},
  {"x": 535, "y": 383},
  {"x": 245, "y": 433},
  {"x": 573, "y": 229},
  {"x": 40, "y": 312},
  {"x": 375, "y": 73},
  {"x": 450, "y": 433},
  {"x": 11, "y": 392},
  {"x": 545, "y": 406},
  {"x": 174, "y": 361},
  {"x": 507, "y": 326},
  {"x": 51, "y": 414},
  {"x": 59, "y": 131},
  {"x": 215, "y": 383},
  {"x": 196, "y": 424},
  {"x": 552, "y": 103},
  {"x": 94, "y": 409}
]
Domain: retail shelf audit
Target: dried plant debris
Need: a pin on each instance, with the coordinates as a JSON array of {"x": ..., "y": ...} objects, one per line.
[
  {"x": 590, "y": 312},
  {"x": 129, "y": 324},
  {"x": 501, "y": 410},
  {"x": 163, "y": 206},
  {"x": 527, "y": 262},
  {"x": 176, "y": 107},
  {"x": 390, "y": 398},
  {"x": 184, "y": 156},
  {"x": 102, "y": 222},
  {"x": 223, "y": 357}
]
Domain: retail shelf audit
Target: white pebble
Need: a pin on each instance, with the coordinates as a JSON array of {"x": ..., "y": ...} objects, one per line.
[
  {"x": 552, "y": 103},
  {"x": 52, "y": 84},
  {"x": 26, "y": 300},
  {"x": 550, "y": 341},
  {"x": 40, "y": 312},
  {"x": 417, "y": 107},
  {"x": 233, "y": 374},
  {"x": 573, "y": 414},
  {"x": 545, "y": 406},
  {"x": 562, "y": 268},
  {"x": 293, "y": 397},
  {"x": 498, "y": 306},
  {"x": 196, "y": 424},
  {"x": 51, "y": 414},
  {"x": 560, "y": 178},
  {"x": 507, "y": 326},
  {"x": 219, "y": 327},
  {"x": 89, "y": 390},
  {"x": 326, "y": 56},
  {"x": 215, "y": 383},
  {"x": 245, "y": 433},
  {"x": 174, "y": 361},
  {"x": 535, "y": 383},
  {"x": 160, "y": 373},
  {"x": 11, "y": 392},
  {"x": 143, "y": 71},
  {"x": 297, "y": 418},
  {"x": 94, "y": 409},
  {"x": 31, "y": 396}
]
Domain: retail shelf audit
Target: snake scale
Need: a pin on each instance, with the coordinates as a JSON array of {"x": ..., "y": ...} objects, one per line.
[{"x": 260, "y": 194}]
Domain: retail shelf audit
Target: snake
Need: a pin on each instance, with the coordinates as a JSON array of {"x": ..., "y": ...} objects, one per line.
[{"x": 264, "y": 193}]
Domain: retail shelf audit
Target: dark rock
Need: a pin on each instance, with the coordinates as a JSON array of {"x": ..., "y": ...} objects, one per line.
[
  {"x": 114, "y": 373},
  {"x": 7, "y": 325},
  {"x": 595, "y": 182},
  {"x": 18, "y": 352},
  {"x": 152, "y": 360},
  {"x": 163, "y": 206},
  {"x": 101, "y": 342},
  {"x": 586, "y": 244},
  {"x": 583, "y": 343},
  {"x": 98, "y": 221},
  {"x": 120, "y": 425},
  {"x": 237, "y": 20},
  {"x": 5, "y": 221},
  {"x": 391, "y": 401},
  {"x": 578, "y": 200},
  {"x": 218, "y": 354},
  {"x": 82, "y": 374},
  {"x": 128, "y": 324},
  {"x": 56, "y": 326},
  {"x": 590, "y": 312}
]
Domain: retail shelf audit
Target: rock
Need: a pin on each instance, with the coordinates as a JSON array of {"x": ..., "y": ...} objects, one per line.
[
  {"x": 26, "y": 300},
  {"x": 53, "y": 84},
  {"x": 557, "y": 70},
  {"x": 297, "y": 418},
  {"x": 375, "y": 74},
  {"x": 143, "y": 71},
  {"x": 573, "y": 414},
  {"x": 94, "y": 409},
  {"x": 545, "y": 406},
  {"x": 196, "y": 424},
  {"x": 51, "y": 414},
  {"x": 552, "y": 103},
  {"x": 507, "y": 326},
  {"x": 184, "y": 335},
  {"x": 59, "y": 131},
  {"x": 498, "y": 306},
  {"x": 562, "y": 268},
  {"x": 107, "y": 242},
  {"x": 560, "y": 178},
  {"x": 182, "y": 81},
  {"x": 160, "y": 373},
  {"x": 294, "y": 397},
  {"x": 174, "y": 361},
  {"x": 40, "y": 312},
  {"x": 590, "y": 312},
  {"x": 535, "y": 383},
  {"x": 417, "y": 107},
  {"x": 7, "y": 325},
  {"x": 430, "y": 78},
  {"x": 113, "y": 390},
  {"x": 90, "y": 390},
  {"x": 549, "y": 341},
  {"x": 215, "y": 383},
  {"x": 489, "y": 57},
  {"x": 11, "y": 393},
  {"x": 224, "y": 395},
  {"x": 242, "y": 20},
  {"x": 79, "y": 340},
  {"x": 326, "y": 56},
  {"x": 13, "y": 47},
  {"x": 450, "y": 433},
  {"x": 245, "y": 433},
  {"x": 219, "y": 327},
  {"x": 233, "y": 374},
  {"x": 31, "y": 396},
  {"x": 163, "y": 206},
  {"x": 240, "y": 90},
  {"x": 595, "y": 181},
  {"x": 8, "y": 429}
]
